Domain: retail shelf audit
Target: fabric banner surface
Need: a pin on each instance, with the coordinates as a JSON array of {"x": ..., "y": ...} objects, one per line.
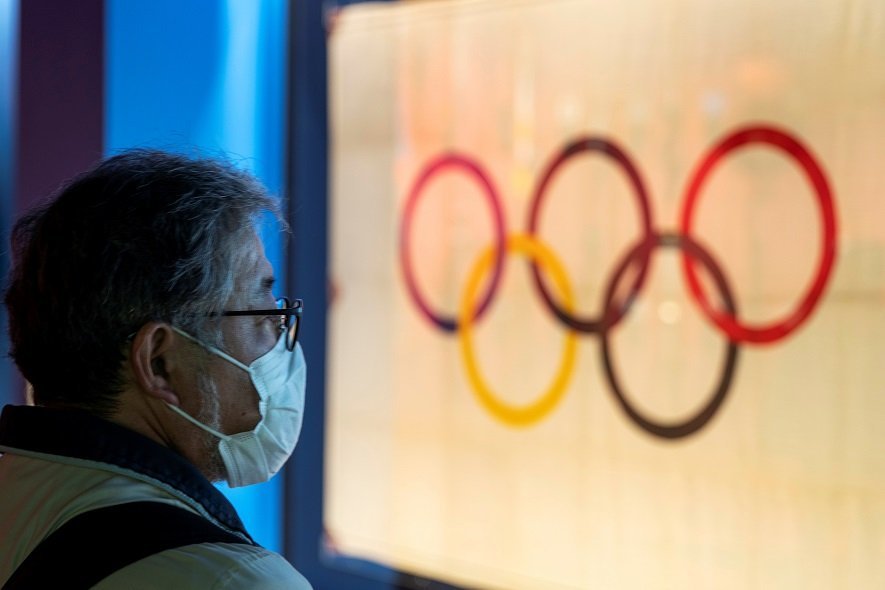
[{"x": 607, "y": 300}]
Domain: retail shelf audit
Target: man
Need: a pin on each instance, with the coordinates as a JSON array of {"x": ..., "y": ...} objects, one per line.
[{"x": 141, "y": 314}]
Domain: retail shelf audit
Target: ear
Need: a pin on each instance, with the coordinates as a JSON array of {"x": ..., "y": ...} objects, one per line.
[{"x": 151, "y": 361}]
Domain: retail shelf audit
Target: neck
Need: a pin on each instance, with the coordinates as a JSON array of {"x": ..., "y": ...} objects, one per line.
[{"x": 155, "y": 420}]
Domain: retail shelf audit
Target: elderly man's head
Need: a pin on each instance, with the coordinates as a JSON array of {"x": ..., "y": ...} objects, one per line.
[
  {"x": 143, "y": 236},
  {"x": 110, "y": 272}
]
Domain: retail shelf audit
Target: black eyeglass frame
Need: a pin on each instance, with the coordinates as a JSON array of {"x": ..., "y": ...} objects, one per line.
[{"x": 290, "y": 309}]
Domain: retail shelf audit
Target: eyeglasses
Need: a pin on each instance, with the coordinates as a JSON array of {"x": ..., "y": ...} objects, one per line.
[{"x": 290, "y": 317}]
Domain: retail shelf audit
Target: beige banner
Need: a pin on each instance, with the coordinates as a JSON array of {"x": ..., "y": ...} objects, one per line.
[{"x": 677, "y": 446}]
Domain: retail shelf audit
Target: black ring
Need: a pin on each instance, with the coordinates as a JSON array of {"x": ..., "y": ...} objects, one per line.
[
  {"x": 700, "y": 419},
  {"x": 610, "y": 149}
]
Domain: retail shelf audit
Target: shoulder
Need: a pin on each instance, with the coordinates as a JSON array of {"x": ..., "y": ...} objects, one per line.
[{"x": 217, "y": 566}]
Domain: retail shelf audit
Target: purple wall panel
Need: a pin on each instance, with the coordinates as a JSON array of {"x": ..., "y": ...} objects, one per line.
[
  {"x": 60, "y": 105},
  {"x": 61, "y": 94}
]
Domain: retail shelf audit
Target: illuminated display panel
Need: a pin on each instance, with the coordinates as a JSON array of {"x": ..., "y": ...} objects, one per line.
[{"x": 607, "y": 293}]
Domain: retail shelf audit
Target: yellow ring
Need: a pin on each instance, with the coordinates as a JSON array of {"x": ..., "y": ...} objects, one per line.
[{"x": 509, "y": 414}]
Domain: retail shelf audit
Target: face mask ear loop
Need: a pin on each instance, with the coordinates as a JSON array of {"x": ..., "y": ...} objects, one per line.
[
  {"x": 197, "y": 423},
  {"x": 212, "y": 349},
  {"x": 223, "y": 355}
]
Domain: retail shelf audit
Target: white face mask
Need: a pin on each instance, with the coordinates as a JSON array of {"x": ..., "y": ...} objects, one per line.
[{"x": 280, "y": 377}]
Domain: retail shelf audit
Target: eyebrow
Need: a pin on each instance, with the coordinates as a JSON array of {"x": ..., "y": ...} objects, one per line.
[{"x": 267, "y": 284}]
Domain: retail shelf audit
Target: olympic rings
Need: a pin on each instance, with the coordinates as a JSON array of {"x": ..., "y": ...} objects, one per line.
[
  {"x": 727, "y": 322},
  {"x": 451, "y": 160},
  {"x": 694, "y": 423},
  {"x": 610, "y": 149},
  {"x": 638, "y": 256},
  {"x": 508, "y": 414}
]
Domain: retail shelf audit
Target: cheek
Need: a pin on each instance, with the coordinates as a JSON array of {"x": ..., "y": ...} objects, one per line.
[
  {"x": 238, "y": 400},
  {"x": 268, "y": 337},
  {"x": 252, "y": 341}
]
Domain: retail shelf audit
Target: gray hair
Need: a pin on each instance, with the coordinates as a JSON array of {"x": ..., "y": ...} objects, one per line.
[{"x": 143, "y": 236}]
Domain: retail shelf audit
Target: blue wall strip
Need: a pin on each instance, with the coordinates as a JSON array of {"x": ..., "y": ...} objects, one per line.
[
  {"x": 8, "y": 90},
  {"x": 207, "y": 77}
]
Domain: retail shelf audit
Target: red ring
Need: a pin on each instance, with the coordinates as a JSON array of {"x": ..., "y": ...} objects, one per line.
[
  {"x": 727, "y": 322},
  {"x": 449, "y": 323}
]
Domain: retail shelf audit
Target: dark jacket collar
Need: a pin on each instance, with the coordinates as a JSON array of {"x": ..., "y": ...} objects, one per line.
[{"x": 80, "y": 435}]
